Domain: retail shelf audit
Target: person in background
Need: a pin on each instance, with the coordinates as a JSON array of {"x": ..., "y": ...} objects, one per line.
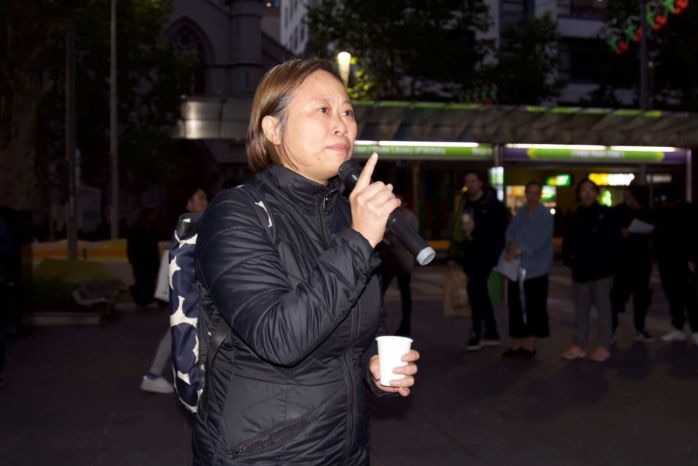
[
  {"x": 634, "y": 267},
  {"x": 288, "y": 385},
  {"x": 529, "y": 238},
  {"x": 484, "y": 221},
  {"x": 144, "y": 256},
  {"x": 589, "y": 249},
  {"x": 397, "y": 261},
  {"x": 675, "y": 245},
  {"x": 5, "y": 260},
  {"x": 153, "y": 381}
]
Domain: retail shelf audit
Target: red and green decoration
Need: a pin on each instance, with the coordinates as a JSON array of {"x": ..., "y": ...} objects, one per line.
[{"x": 656, "y": 14}]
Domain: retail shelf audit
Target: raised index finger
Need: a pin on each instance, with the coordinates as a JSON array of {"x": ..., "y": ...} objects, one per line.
[{"x": 365, "y": 176}]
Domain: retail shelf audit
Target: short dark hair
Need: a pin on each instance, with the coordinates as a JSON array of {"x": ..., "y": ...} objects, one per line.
[
  {"x": 480, "y": 176},
  {"x": 271, "y": 99},
  {"x": 640, "y": 193},
  {"x": 534, "y": 183},
  {"x": 587, "y": 181}
]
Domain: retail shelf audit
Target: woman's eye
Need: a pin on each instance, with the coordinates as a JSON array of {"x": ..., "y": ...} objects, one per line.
[
  {"x": 349, "y": 113},
  {"x": 324, "y": 109}
]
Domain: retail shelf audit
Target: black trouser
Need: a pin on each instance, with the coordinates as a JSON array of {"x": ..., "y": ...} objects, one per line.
[
  {"x": 679, "y": 285},
  {"x": 403, "y": 281},
  {"x": 536, "y": 296},
  {"x": 632, "y": 279},
  {"x": 481, "y": 304},
  {"x": 144, "y": 281},
  {"x": 4, "y": 312}
]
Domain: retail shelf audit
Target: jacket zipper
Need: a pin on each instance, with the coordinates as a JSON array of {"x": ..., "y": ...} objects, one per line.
[
  {"x": 323, "y": 206},
  {"x": 345, "y": 360}
]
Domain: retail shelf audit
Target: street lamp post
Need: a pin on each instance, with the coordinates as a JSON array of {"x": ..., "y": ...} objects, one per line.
[
  {"x": 343, "y": 63},
  {"x": 644, "y": 81},
  {"x": 113, "y": 136},
  {"x": 72, "y": 214}
]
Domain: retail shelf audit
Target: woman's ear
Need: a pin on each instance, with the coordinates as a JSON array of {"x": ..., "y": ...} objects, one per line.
[{"x": 271, "y": 126}]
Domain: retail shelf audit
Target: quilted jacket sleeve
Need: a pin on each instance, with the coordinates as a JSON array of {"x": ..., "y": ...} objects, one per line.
[{"x": 242, "y": 271}]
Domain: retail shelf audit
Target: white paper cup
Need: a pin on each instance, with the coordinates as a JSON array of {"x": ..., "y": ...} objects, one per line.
[{"x": 391, "y": 349}]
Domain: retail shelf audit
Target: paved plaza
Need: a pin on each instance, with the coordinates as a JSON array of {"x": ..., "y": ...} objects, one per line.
[{"x": 72, "y": 396}]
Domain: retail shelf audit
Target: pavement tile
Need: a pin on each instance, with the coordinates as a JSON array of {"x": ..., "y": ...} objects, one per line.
[{"x": 72, "y": 396}]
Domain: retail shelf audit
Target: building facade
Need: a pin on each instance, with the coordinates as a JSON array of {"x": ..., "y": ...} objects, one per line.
[
  {"x": 580, "y": 23},
  {"x": 236, "y": 41}
]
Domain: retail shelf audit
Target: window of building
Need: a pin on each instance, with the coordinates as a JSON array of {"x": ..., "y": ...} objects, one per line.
[
  {"x": 584, "y": 60},
  {"x": 582, "y": 8},
  {"x": 513, "y": 11},
  {"x": 186, "y": 40}
]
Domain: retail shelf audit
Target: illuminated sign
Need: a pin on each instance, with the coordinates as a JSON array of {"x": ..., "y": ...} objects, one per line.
[
  {"x": 612, "y": 179},
  {"x": 594, "y": 153},
  {"x": 658, "y": 178},
  {"x": 564, "y": 179},
  {"x": 424, "y": 150},
  {"x": 549, "y": 193}
]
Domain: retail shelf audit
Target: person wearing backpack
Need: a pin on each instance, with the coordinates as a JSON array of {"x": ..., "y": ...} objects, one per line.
[
  {"x": 153, "y": 381},
  {"x": 288, "y": 383}
]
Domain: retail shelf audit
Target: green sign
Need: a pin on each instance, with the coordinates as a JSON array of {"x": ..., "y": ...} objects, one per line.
[
  {"x": 431, "y": 152},
  {"x": 564, "y": 179},
  {"x": 601, "y": 155}
]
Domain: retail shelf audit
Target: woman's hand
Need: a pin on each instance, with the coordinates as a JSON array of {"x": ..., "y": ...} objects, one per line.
[
  {"x": 401, "y": 386},
  {"x": 371, "y": 204},
  {"x": 513, "y": 251}
]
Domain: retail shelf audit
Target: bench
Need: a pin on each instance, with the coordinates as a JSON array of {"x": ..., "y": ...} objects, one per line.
[{"x": 98, "y": 292}]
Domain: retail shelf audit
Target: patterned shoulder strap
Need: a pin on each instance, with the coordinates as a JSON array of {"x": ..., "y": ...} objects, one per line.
[{"x": 261, "y": 209}]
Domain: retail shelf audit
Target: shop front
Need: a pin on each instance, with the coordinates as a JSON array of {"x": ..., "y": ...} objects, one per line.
[{"x": 613, "y": 168}]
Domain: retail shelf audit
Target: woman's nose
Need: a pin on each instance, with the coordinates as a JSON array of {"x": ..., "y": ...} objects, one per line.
[{"x": 340, "y": 127}]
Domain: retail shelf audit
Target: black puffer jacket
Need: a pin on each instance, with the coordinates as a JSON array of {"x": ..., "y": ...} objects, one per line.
[
  {"x": 482, "y": 250},
  {"x": 590, "y": 244},
  {"x": 289, "y": 386}
]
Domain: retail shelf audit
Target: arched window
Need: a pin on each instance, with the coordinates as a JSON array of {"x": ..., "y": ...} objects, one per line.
[{"x": 186, "y": 36}]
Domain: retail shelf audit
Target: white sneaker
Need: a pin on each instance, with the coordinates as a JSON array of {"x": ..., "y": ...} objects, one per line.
[
  {"x": 695, "y": 338},
  {"x": 156, "y": 384},
  {"x": 674, "y": 335},
  {"x": 643, "y": 336}
]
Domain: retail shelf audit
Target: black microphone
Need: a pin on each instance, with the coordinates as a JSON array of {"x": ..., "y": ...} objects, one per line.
[{"x": 404, "y": 231}]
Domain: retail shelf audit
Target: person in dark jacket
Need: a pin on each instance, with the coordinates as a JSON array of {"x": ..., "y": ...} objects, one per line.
[
  {"x": 589, "y": 249},
  {"x": 677, "y": 255},
  {"x": 398, "y": 262},
  {"x": 143, "y": 254},
  {"x": 5, "y": 260},
  {"x": 484, "y": 222},
  {"x": 634, "y": 259},
  {"x": 288, "y": 385}
]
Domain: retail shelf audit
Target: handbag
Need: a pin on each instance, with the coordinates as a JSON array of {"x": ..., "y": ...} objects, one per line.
[
  {"x": 162, "y": 288},
  {"x": 455, "y": 293}
]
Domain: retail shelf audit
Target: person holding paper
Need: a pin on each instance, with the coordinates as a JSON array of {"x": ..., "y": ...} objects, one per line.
[
  {"x": 634, "y": 260},
  {"x": 529, "y": 242}
]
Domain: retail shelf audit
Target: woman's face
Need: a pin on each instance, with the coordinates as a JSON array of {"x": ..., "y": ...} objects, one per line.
[
  {"x": 533, "y": 194},
  {"x": 320, "y": 128},
  {"x": 587, "y": 194},
  {"x": 198, "y": 202}
]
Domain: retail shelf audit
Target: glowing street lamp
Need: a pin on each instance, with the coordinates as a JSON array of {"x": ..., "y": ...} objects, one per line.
[{"x": 343, "y": 63}]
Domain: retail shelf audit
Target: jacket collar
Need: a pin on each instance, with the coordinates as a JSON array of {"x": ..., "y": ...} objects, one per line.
[{"x": 302, "y": 192}]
